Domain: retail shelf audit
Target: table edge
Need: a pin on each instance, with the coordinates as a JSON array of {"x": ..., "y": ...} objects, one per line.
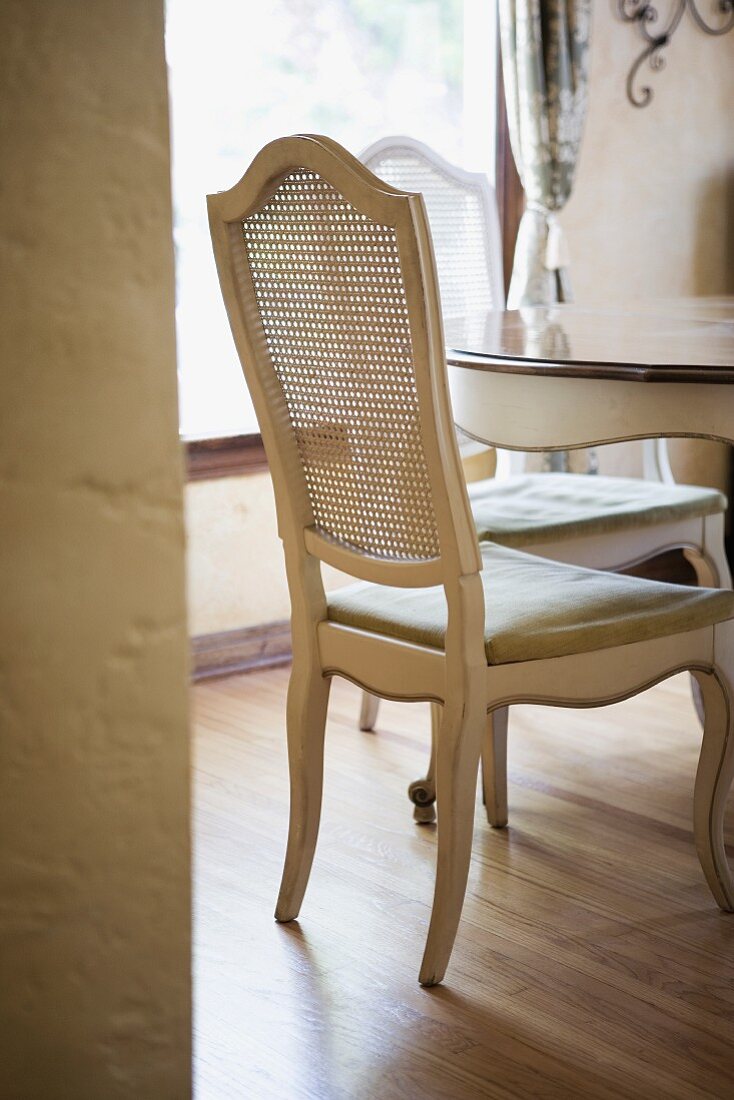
[{"x": 626, "y": 372}]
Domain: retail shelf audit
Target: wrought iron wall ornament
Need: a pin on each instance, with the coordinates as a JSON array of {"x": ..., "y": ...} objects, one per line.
[{"x": 646, "y": 17}]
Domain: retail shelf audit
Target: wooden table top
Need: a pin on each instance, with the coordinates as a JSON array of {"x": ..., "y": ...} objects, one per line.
[{"x": 684, "y": 340}]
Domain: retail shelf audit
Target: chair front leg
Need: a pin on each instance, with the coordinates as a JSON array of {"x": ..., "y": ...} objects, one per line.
[
  {"x": 494, "y": 767},
  {"x": 457, "y": 764},
  {"x": 308, "y": 697},
  {"x": 713, "y": 778}
]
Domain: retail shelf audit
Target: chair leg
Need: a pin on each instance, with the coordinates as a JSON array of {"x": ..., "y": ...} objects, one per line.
[
  {"x": 494, "y": 767},
  {"x": 368, "y": 711},
  {"x": 697, "y": 697},
  {"x": 709, "y": 560},
  {"x": 308, "y": 697},
  {"x": 712, "y": 571},
  {"x": 422, "y": 792},
  {"x": 713, "y": 780},
  {"x": 457, "y": 764}
]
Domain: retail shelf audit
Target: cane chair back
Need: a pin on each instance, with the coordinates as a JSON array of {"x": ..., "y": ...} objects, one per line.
[
  {"x": 329, "y": 282},
  {"x": 462, "y": 211}
]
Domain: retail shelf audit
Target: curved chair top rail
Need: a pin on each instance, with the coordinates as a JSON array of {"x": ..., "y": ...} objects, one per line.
[
  {"x": 464, "y": 220},
  {"x": 328, "y": 277}
]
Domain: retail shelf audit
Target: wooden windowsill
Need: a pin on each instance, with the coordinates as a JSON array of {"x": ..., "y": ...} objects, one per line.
[{"x": 224, "y": 457}]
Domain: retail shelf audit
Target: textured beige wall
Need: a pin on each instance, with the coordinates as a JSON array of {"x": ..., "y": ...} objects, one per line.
[
  {"x": 94, "y": 741},
  {"x": 652, "y": 215}
]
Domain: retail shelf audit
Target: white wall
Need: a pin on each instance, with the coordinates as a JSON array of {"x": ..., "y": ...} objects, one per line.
[
  {"x": 653, "y": 208},
  {"x": 652, "y": 213}
]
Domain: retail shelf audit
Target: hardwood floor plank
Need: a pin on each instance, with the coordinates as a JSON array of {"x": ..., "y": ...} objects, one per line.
[{"x": 591, "y": 960}]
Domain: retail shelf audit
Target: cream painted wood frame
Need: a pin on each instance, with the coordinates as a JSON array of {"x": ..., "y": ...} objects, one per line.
[
  {"x": 701, "y": 538},
  {"x": 456, "y": 677}
]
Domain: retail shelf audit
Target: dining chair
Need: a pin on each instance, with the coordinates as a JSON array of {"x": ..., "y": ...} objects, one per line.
[
  {"x": 609, "y": 523},
  {"x": 329, "y": 281}
]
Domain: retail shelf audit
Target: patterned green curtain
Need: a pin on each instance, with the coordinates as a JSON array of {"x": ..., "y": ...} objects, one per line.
[{"x": 545, "y": 47}]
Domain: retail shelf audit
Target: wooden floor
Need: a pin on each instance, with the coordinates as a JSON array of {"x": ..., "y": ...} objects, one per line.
[{"x": 591, "y": 960}]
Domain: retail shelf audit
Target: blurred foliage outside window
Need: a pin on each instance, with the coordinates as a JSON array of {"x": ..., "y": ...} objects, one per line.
[{"x": 241, "y": 74}]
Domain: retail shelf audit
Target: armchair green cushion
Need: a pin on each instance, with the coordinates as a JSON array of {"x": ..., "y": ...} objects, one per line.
[{"x": 537, "y": 608}]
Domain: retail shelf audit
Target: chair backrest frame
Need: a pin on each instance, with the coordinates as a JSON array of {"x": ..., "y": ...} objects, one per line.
[
  {"x": 458, "y": 554},
  {"x": 474, "y": 185},
  {"x": 450, "y": 194}
]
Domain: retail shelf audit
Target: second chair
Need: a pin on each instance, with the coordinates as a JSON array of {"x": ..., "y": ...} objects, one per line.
[{"x": 608, "y": 523}]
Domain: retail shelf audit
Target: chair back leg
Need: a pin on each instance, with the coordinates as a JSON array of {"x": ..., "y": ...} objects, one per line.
[
  {"x": 368, "y": 711},
  {"x": 494, "y": 767}
]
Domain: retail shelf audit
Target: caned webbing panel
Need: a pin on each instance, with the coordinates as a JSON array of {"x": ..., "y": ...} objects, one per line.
[
  {"x": 458, "y": 219},
  {"x": 331, "y": 298}
]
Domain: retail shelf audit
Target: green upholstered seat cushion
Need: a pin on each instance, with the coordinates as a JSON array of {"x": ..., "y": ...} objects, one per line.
[
  {"x": 537, "y": 608},
  {"x": 531, "y": 508}
]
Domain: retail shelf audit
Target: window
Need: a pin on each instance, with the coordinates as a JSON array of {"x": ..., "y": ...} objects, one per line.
[{"x": 242, "y": 74}]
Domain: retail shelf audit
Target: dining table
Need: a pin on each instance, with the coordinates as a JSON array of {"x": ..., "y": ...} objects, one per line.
[
  {"x": 566, "y": 376},
  {"x": 560, "y": 377}
]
